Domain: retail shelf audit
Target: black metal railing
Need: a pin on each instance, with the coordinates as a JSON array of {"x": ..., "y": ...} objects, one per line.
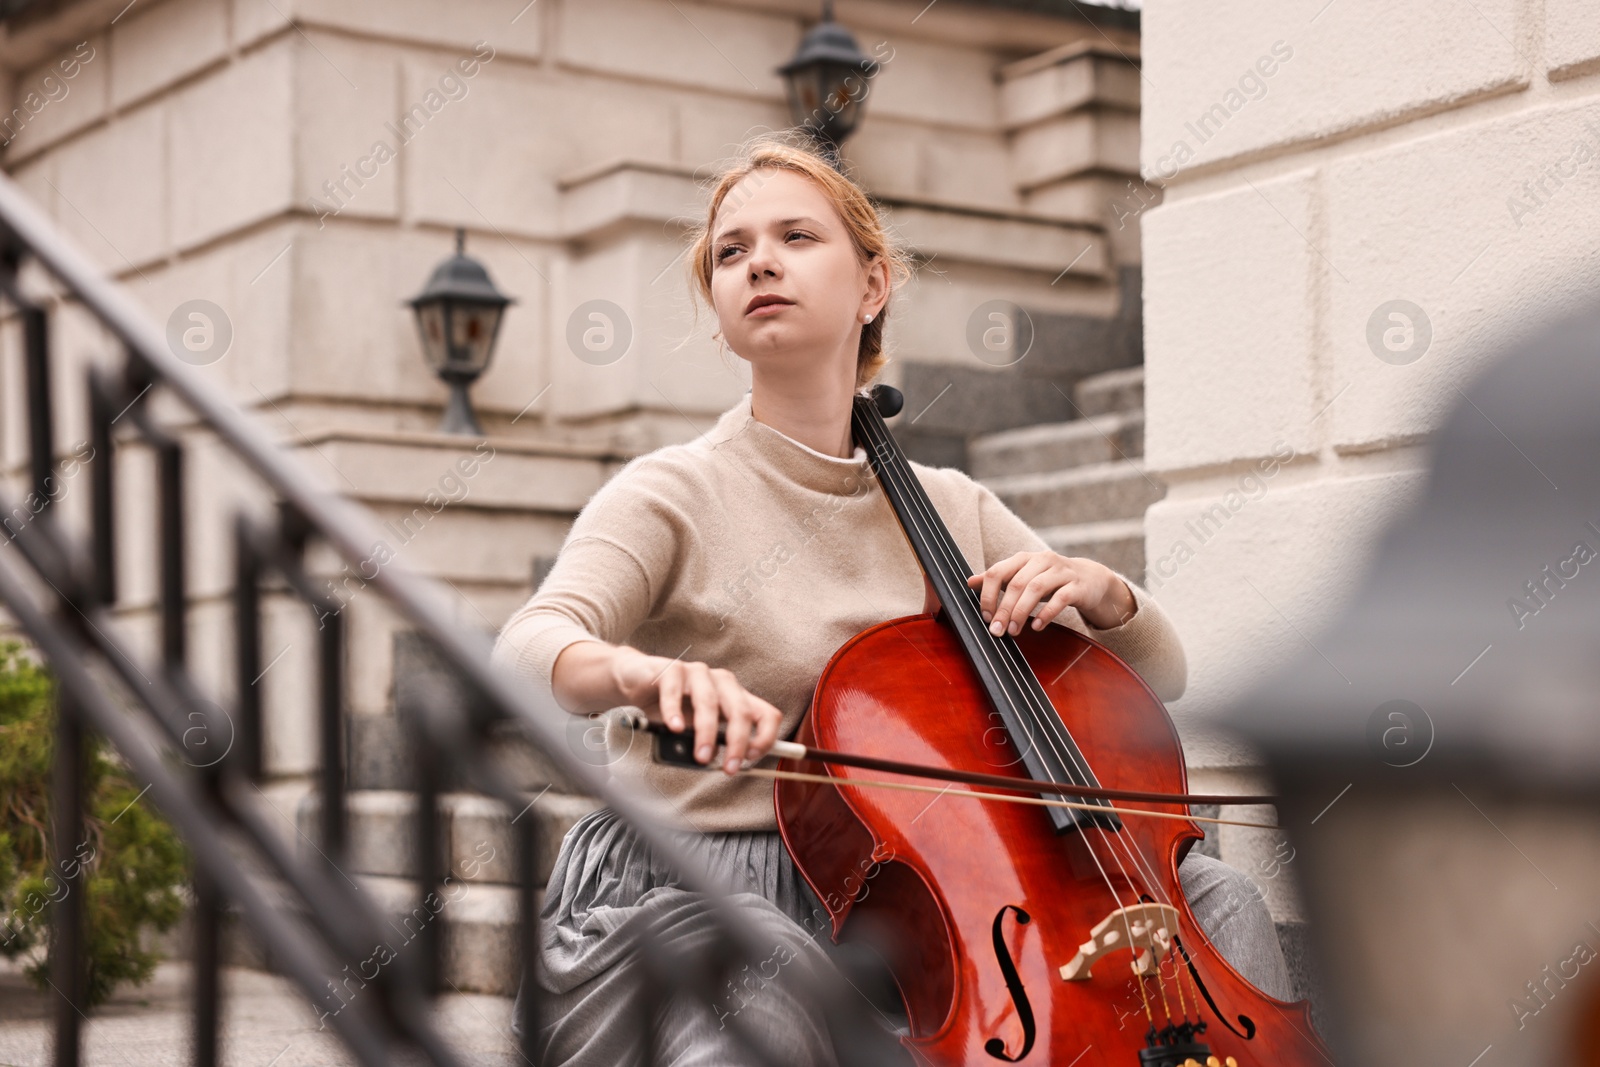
[{"x": 61, "y": 587}]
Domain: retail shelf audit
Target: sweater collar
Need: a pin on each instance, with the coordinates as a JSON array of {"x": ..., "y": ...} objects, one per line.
[{"x": 738, "y": 428}]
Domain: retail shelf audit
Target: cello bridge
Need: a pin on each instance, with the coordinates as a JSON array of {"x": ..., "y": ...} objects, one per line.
[{"x": 1144, "y": 929}]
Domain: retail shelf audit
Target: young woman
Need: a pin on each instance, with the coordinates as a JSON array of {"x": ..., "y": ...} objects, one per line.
[{"x": 709, "y": 583}]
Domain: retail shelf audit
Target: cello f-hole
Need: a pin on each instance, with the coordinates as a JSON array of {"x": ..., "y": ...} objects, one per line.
[
  {"x": 1249, "y": 1024},
  {"x": 1019, "y": 996}
]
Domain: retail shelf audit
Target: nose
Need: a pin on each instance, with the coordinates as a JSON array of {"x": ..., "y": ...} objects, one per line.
[{"x": 763, "y": 260}]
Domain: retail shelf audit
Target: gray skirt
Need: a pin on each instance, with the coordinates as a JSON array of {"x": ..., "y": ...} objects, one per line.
[{"x": 607, "y": 887}]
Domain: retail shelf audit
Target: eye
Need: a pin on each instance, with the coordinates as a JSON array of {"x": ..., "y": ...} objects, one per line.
[
  {"x": 722, "y": 253},
  {"x": 797, "y": 233}
]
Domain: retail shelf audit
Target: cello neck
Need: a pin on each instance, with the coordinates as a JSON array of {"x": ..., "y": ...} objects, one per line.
[{"x": 1048, "y": 751}]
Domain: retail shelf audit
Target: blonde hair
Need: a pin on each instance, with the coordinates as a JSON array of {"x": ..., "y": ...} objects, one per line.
[{"x": 795, "y": 151}]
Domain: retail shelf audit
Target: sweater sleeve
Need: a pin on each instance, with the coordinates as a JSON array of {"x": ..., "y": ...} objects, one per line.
[
  {"x": 1147, "y": 640},
  {"x": 605, "y": 581}
]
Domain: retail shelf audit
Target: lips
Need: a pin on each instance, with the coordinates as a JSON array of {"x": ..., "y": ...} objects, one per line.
[{"x": 766, "y": 300}]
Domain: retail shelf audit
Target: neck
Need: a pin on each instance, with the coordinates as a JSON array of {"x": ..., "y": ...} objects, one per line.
[{"x": 815, "y": 411}]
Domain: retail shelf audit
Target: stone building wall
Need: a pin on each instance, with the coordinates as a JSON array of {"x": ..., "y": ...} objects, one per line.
[
  {"x": 1362, "y": 201},
  {"x": 300, "y": 166}
]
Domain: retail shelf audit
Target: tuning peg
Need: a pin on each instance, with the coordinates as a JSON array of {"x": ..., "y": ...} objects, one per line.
[{"x": 890, "y": 400}]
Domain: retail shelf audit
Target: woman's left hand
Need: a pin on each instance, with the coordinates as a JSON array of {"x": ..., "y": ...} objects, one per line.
[{"x": 1014, "y": 586}]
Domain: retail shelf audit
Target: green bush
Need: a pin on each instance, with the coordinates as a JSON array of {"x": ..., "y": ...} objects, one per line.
[{"x": 133, "y": 863}]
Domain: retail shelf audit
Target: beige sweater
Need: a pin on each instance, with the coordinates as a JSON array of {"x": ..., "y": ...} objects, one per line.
[{"x": 748, "y": 550}]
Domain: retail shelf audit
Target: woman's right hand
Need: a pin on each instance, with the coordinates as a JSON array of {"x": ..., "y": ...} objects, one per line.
[{"x": 659, "y": 686}]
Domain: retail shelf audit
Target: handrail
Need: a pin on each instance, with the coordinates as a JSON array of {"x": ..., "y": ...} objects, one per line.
[{"x": 75, "y": 628}]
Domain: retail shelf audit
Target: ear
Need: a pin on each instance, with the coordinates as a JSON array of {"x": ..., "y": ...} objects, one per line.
[{"x": 877, "y": 293}]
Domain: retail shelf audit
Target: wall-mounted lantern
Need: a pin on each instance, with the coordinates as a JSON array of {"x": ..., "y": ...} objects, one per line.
[
  {"x": 458, "y": 315},
  {"x": 827, "y": 81}
]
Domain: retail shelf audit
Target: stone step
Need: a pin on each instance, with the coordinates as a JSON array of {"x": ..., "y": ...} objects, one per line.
[
  {"x": 1117, "y": 543},
  {"x": 480, "y": 925},
  {"x": 477, "y": 835},
  {"x": 378, "y": 754},
  {"x": 1121, "y": 489},
  {"x": 1112, "y": 390},
  {"x": 1058, "y": 445}
]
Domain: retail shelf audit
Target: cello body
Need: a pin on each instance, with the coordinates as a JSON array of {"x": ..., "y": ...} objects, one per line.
[{"x": 978, "y": 904}]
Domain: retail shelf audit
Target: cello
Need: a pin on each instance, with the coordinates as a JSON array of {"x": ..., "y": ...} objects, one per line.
[{"x": 1042, "y": 933}]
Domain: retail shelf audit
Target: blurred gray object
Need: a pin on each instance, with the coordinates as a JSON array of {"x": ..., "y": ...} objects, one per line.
[{"x": 1440, "y": 785}]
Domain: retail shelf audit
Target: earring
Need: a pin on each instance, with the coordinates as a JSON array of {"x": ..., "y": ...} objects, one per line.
[{"x": 867, "y": 319}]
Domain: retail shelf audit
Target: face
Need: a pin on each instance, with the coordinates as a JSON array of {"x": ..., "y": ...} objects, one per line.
[{"x": 777, "y": 235}]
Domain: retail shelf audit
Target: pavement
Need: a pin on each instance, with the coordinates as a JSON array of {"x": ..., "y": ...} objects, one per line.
[{"x": 266, "y": 1023}]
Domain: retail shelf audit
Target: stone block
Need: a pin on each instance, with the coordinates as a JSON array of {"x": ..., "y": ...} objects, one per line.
[
  {"x": 469, "y": 166},
  {"x": 1015, "y": 241},
  {"x": 477, "y": 842},
  {"x": 478, "y": 927},
  {"x": 666, "y": 365},
  {"x": 711, "y": 127},
  {"x": 625, "y": 192},
  {"x": 1112, "y": 391},
  {"x": 483, "y": 838},
  {"x": 252, "y": 20},
  {"x": 467, "y": 545},
  {"x": 229, "y": 178},
  {"x": 37, "y": 178},
  {"x": 1528, "y": 182},
  {"x": 53, "y": 99},
  {"x": 934, "y": 312},
  {"x": 1076, "y": 143},
  {"x": 513, "y": 29},
  {"x": 690, "y": 44},
  {"x": 1055, "y": 446},
  {"x": 1273, "y": 74},
  {"x": 971, "y": 168},
  {"x": 963, "y": 401},
  {"x": 1571, "y": 39},
  {"x": 1065, "y": 79},
  {"x": 946, "y": 82},
  {"x": 480, "y": 939},
  {"x": 450, "y": 470},
  {"x": 155, "y": 46},
  {"x": 1229, "y": 323},
  {"x": 289, "y": 704},
  {"x": 1120, "y": 489},
  {"x": 890, "y": 162},
  {"x": 1248, "y": 569},
  {"x": 345, "y": 145},
  {"x": 112, "y": 183}
]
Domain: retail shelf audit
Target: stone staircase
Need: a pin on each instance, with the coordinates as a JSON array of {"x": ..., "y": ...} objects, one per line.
[
  {"x": 480, "y": 912},
  {"x": 1081, "y": 484}
]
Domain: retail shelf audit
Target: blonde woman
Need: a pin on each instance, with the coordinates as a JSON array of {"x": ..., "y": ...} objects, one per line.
[{"x": 708, "y": 584}]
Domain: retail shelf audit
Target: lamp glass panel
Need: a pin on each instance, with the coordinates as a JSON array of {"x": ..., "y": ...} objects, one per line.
[
  {"x": 472, "y": 335},
  {"x": 847, "y": 87},
  {"x": 430, "y": 324},
  {"x": 805, "y": 97}
]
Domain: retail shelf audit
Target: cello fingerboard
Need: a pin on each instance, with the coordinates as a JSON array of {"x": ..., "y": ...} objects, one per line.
[{"x": 1047, "y": 750}]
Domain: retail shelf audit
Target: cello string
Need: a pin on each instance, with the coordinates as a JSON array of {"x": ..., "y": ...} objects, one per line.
[{"x": 937, "y": 538}]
